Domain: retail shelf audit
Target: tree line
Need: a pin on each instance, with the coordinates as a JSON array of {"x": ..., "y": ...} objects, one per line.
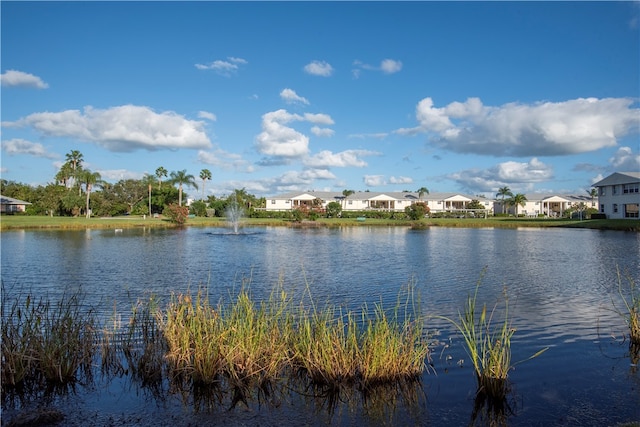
[{"x": 77, "y": 191}]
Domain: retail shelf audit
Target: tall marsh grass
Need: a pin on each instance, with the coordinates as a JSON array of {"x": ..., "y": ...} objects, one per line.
[
  {"x": 488, "y": 345},
  {"x": 46, "y": 342},
  {"x": 631, "y": 311}
]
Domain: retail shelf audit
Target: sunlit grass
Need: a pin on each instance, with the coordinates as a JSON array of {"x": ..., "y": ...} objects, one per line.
[
  {"x": 488, "y": 345},
  {"x": 46, "y": 342}
]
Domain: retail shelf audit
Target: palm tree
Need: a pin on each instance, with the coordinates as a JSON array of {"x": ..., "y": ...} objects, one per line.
[
  {"x": 64, "y": 174},
  {"x": 205, "y": 174},
  {"x": 149, "y": 180},
  {"x": 422, "y": 191},
  {"x": 74, "y": 158},
  {"x": 160, "y": 173},
  {"x": 89, "y": 179},
  {"x": 518, "y": 200},
  {"x": 593, "y": 193},
  {"x": 346, "y": 193},
  {"x": 504, "y": 192},
  {"x": 182, "y": 178}
]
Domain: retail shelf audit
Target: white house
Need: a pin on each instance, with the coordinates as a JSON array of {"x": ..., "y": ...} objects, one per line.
[
  {"x": 11, "y": 205},
  {"x": 619, "y": 195},
  {"x": 370, "y": 200},
  {"x": 550, "y": 205}
]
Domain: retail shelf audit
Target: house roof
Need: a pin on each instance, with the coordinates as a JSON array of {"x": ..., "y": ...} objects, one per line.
[
  {"x": 4, "y": 200},
  {"x": 619, "y": 178}
]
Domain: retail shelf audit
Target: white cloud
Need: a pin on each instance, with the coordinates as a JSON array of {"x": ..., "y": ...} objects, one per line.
[
  {"x": 319, "y": 119},
  {"x": 321, "y": 132},
  {"x": 280, "y": 140},
  {"x": 222, "y": 67},
  {"x": 125, "y": 128},
  {"x": 624, "y": 160},
  {"x": 277, "y": 139},
  {"x": 319, "y": 68},
  {"x": 541, "y": 129},
  {"x": 291, "y": 97},
  {"x": 225, "y": 160},
  {"x": 21, "y": 146},
  {"x": 387, "y": 66},
  {"x": 374, "y": 180},
  {"x": 348, "y": 158},
  {"x": 510, "y": 174},
  {"x": 400, "y": 180},
  {"x": 18, "y": 78},
  {"x": 207, "y": 115},
  {"x": 390, "y": 66}
]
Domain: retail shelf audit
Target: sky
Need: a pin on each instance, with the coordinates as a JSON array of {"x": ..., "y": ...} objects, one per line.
[{"x": 274, "y": 97}]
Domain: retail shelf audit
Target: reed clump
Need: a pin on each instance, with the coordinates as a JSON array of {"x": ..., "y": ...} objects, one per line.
[
  {"x": 631, "y": 312},
  {"x": 334, "y": 347},
  {"x": 488, "y": 346},
  {"x": 46, "y": 342}
]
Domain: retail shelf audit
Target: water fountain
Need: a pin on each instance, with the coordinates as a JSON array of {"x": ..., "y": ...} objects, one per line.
[{"x": 234, "y": 214}]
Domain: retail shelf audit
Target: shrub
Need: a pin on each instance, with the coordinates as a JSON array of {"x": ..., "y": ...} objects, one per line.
[{"x": 176, "y": 214}]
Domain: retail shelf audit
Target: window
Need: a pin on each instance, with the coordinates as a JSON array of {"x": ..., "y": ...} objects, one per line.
[
  {"x": 614, "y": 189},
  {"x": 601, "y": 208},
  {"x": 350, "y": 202},
  {"x": 630, "y": 188},
  {"x": 631, "y": 210},
  {"x": 273, "y": 202},
  {"x": 615, "y": 208},
  {"x": 602, "y": 191},
  {"x": 288, "y": 201}
]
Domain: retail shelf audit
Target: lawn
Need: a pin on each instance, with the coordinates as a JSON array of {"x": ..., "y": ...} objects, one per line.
[{"x": 13, "y": 222}]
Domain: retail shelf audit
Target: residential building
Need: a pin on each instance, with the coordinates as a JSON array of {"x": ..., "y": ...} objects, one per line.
[
  {"x": 370, "y": 200},
  {"x": 619, "y": 195},
  {"x": 549, "y": 205},
  {"x": 11, "y": 205}
]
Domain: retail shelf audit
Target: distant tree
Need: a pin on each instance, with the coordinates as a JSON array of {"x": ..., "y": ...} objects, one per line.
[
  {"x": 422, "y": 191},
  {"x": 205, "y": 174},
  {"x": 176, "y": 214},
  {"x": 346, "y": 193},
  {"x": 64, "y": 175},
  {"x": 417, "y": 210},
  {"x": 504, "y": 192},
  {"x": 593, "y": 193},
  {"x": 161, "y": 173},
  {"x": 75, "y": 158},
  {"x": 129, "y": 192},
  {"x": 333, "y": 209},
  {"x": 149, "y": 180},
  {"x": 182, "y": 178},
  {"x": 198, "y": 208},
  {"x": 475, "y": 204},
  {"x": 518, "y": 200},
  {"x": 89, "y": 179}
]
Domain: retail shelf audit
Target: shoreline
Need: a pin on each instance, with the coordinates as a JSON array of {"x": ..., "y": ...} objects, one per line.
[{"x": 20, "y": 222}]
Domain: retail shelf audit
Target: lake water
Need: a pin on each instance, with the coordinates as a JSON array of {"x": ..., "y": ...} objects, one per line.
[{"x": 562, "y": 287}]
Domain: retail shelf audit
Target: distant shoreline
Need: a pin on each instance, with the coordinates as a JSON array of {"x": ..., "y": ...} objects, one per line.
[{"x": 22, "y": 222}]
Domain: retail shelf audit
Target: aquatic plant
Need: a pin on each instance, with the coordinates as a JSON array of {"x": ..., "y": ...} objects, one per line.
[
  {"x": 631, "y": 312},
  {"x": 47, "y": 341},
  {"x": 488, "y": 346}
]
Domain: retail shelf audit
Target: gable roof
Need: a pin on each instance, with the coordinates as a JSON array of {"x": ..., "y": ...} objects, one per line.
[
  {"x": 4, "y": 200},
  {"x": 619, "y": 178}
]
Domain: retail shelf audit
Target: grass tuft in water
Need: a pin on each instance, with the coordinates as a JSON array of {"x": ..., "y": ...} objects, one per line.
[
  {"x": 488, "y": 345},
  {"x": 46, "y": 341},
  {"x": 631, "y": 312}
]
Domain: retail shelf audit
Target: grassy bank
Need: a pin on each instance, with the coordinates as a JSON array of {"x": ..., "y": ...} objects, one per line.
[{"x": 20, "y": 222}]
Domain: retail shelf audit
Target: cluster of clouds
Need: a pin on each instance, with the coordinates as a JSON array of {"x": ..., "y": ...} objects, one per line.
[
  {"x": 520, "y": 130},
  {"x": 542, "y": 129},
  {"x": 124, "y": 128}
]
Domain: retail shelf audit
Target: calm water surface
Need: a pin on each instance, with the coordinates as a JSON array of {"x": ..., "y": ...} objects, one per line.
[{"x": 561, "y": 284}]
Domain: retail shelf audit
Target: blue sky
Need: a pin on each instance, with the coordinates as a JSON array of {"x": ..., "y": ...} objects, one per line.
[{"x": 292, "y": 96}]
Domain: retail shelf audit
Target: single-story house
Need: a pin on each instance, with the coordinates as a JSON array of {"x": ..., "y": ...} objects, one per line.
[
  {"x": 550, "y": 205},
  {"x": 11, "y": 205},
  {"x": 619, "y": 195},
  {"x": 372, "y": 200}
]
